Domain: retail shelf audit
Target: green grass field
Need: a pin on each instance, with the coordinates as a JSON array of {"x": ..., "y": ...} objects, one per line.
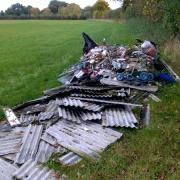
[{"x": 33, "y": 53}]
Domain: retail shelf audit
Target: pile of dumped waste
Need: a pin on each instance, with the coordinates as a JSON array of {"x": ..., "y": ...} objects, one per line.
[{"x": 79, "y": 119}]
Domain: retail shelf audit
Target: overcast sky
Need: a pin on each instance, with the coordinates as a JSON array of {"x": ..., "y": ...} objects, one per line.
[{"x": 4, "y": 4}]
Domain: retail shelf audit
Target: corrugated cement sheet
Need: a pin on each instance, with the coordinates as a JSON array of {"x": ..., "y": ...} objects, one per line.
[
  {"x": 119, "y": 117},
  {"x": 45, "y": 151},
  {"x": 78, "y": 115},
  {"x": 32, "y": 171},
  {"x": 10, "y": 144},
  {"x": 79, "y": 104},
  {"x": 6, "y": 170},
  {"x": 30, "y": 143},
  {"x": 84, "y": 139},
  {"x": 70, "y": 159}
]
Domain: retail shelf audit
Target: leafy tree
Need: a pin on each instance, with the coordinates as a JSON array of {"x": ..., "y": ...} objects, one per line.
[
  {"x": 87, "y": 12},
  {"x": 72, "y": 10},
  {"x": 54, "y": 5},
  {"x": 17, "y": 10},
  {"x": 2, "y": 13},
  {"x": 46, "y": 12},
  {"x": 100, "y": 8},
  {"x": 35, "y": 12}
]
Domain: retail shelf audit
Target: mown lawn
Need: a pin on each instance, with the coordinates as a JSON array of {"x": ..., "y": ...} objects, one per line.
[{"x": 33, "y": 53}]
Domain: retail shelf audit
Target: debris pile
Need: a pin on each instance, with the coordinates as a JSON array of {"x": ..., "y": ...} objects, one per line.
[{"x": 77, "y": 119}]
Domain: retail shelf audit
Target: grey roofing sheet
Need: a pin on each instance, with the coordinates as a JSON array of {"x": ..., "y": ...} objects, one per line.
[
  {"x": 109, "y": 102},
  {"x": 30, "y": 143},
  {"x": 10, "y": 144},
  {"x": 27, "y": 119},
  {"x": 52, "y": 106},
  {"x": 43, "y": 116},
  {"x": 45, "y": 151},
  {"x": 33, "y": 171},
  {"x": 92, "y": 95},
  {"x": 78, "y": 103},
  {"x": 90, "y": 88},
  {"x": 119, "y": 117},
  {"x": 84, "y": 139},
  {"x": 70, "y": 159},
  {"x": 6, "y": 170},
  {"x": 78, "y": 115},
  {"x": 69, "y": 114},
  {"x": 9, "y": 157},
  {"x": 49, "y": 139}
]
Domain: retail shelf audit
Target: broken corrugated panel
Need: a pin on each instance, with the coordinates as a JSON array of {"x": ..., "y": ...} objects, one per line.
[
  {"x": 70, "y": 102},
  {"x": 70, "y": 159},
  {"x": 119, "y": 117},
  {"x": 52, "y": 106},
  {"x": 90, "y": 88},
  {"x": 9, "y": 157},
  {"x": 78, "y": 103},
  {"x": 43, "y": 116},
  {"x": 83, "y": 139},
  {"x": 30, "y": 143},
  {"x": 45, "y": 151},
  {"x": 6, "y": 170},
  {"x": 49, "y": 139},
  {"x": 78, "y": 115},
  {"x": 155, "y": 98},
  {"x": 109, "y": 102},
  {"x": 11, "y": 117},
  {"x": 27, "y": 119},
  {"x": 56, "y": 91},
  {"x": 69, "y": 114},
  {"x": 33, "y": 109},
  {"x": 5, "y": 127},
  {"x": 92, "y": 95},
  {"x": 85, "y": 116},
  {"x": 32, "y": 171},
  {"x": 10, "y": 144}
]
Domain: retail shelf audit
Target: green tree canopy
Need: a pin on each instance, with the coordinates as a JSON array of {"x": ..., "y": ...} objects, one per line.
[
  {"x": 54, "y": 5},
  {"x": 100, "y": 8}
]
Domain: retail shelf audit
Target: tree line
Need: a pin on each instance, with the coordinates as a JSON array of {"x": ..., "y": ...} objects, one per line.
[
  {"x": 60, "y": 10},
  {"x": 166, "y": 12}
]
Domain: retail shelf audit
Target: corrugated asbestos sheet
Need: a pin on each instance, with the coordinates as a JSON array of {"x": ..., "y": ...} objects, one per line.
[
  {"x": 70, "y": 159},
  {"x": 92, "y": 95},
  {"x": 32, "y": 171},
  {"x": 45, "y": 116},
  {"x": 78, "y": 115},
  {"x": 84, "y": 139},
  {"x": 10, "y": 144},
  {"x": 119, "y": 117},
  {"x": 27, "y": 119},
  {"x": 78, "y": 103},
  {"x": 45, "y": 151},
  {"x": 52, "y": 106},
  {"x": 49, "y": 139},
  {"x": 6, "y": 170},
  {"x": 30, "y": 143},
  {"x": 100, "y": 88}
]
